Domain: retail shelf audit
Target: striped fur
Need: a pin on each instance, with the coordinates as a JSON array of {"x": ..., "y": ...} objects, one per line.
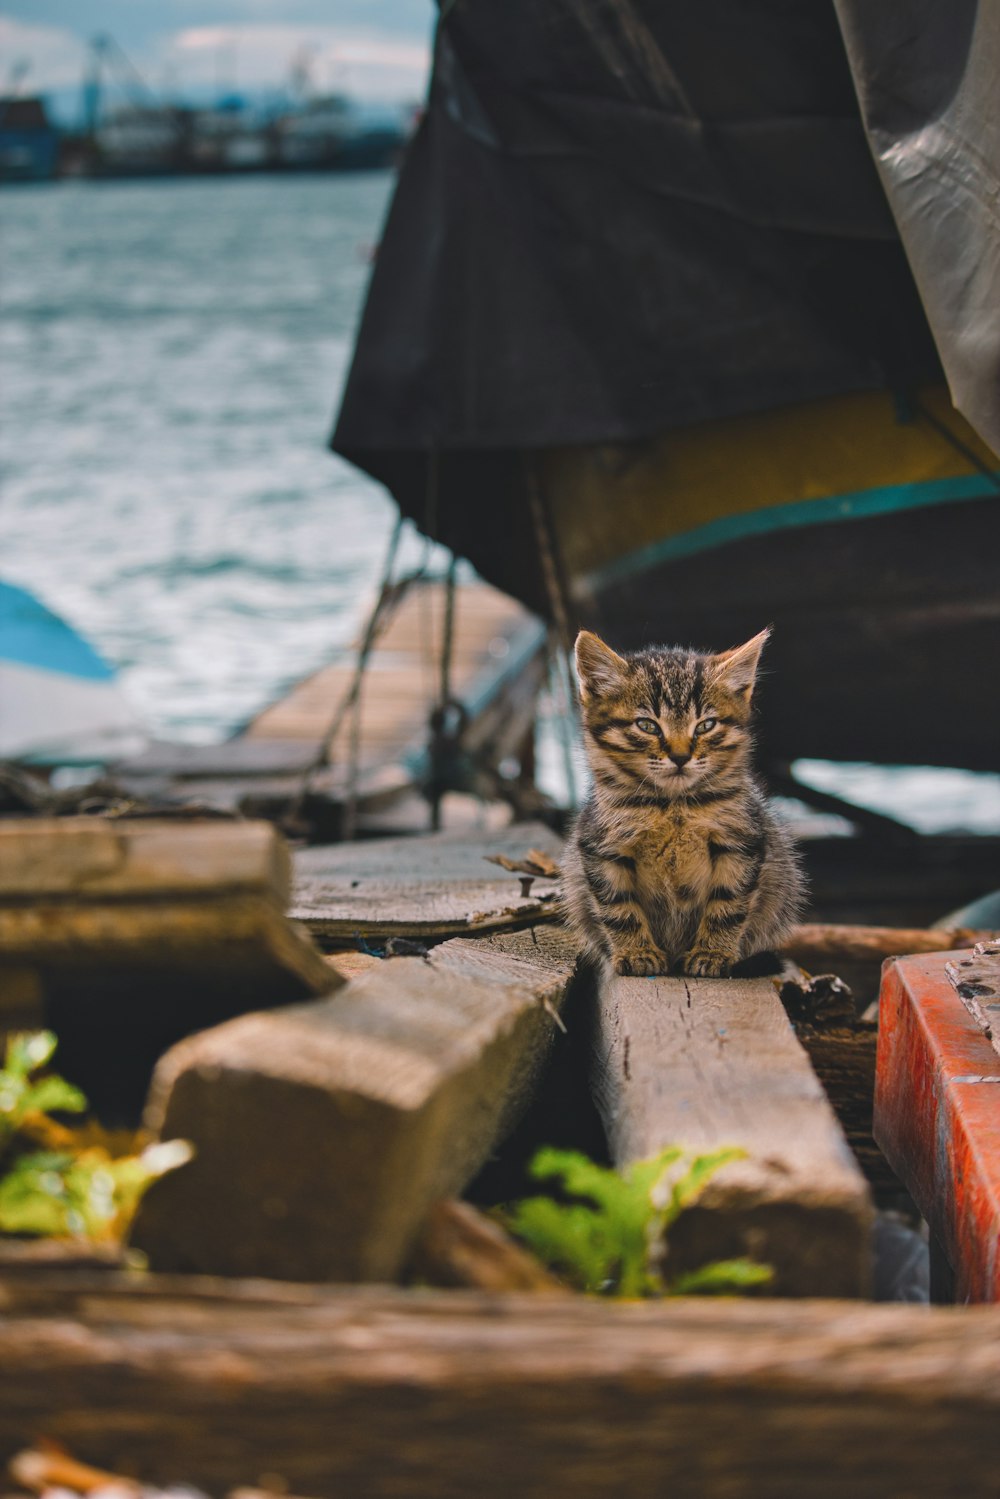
[{"x": 676, "y": 863}]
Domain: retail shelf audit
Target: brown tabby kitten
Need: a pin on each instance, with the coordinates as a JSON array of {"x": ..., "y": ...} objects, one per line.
[{"x": 676, "y": 863}]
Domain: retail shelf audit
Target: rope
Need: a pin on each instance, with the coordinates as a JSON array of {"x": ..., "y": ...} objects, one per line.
[
  {"x": 448, "y": 718},
  {"x": 448, "y": 642},
  {"x": 546, "y": 554},
  {"x": 389, "y": 594}
]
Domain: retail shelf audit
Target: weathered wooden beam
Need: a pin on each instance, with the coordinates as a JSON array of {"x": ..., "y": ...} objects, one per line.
[
  {"x": 324, "y": 1132},
  {"x": 96, "y": 858},
  {"x": 85, "y": 898},
  {"x": 708, "y": 1063},
  {"x": 461, "y": 1247},
  {"x": 434, "y": 1395},
  {"x": 937, "y": 1117},
  {"x": 815, "y": 944}
]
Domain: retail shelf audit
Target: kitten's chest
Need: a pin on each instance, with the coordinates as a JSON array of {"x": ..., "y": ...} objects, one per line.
[{"x": 672, "y": 857}]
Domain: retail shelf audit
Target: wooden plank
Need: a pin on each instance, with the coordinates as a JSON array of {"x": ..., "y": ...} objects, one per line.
[
  {"x": 434, "y": 1395},
  {"x": 205, "y": 900},
  {"x": 126, "y": 936},
  {"x": 937, "y": 1117},
  {"x": 378, "y": 786},
  {"x": 234, "y": 757},
  {"x": 435, "y": 884},
  {"x": 323, "y": 1133},
  {"x": 707, "y": 1063},
  {"x": 94, "y": 858},
  {"x": 814, "y": 944},
  {"x": 412, "y": 815},
  {"x": 244, "y": 942},
  {"x": 461, "y": 1247},
  {"x": 403, "y": 676}
]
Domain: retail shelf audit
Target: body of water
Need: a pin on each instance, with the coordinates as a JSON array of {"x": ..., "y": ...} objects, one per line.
[
  {"x": 172, "y": 355},
  {"x": 172, "y": 358}
]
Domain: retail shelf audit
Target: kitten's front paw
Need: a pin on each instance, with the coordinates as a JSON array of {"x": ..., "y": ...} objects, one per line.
[
  {"x": 703, "y": 963},
  {"x": 641, "y": 962}
]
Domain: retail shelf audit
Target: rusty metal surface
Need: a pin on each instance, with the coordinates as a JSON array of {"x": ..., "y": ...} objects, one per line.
[
  {"x": 937, "y": 1115},
  {"x": 976, "y": 981}
]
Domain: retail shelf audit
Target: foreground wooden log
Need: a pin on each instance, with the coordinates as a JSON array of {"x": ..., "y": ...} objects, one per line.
[
  {"x": 708, "y": 1063},
  {"x": 324, "y": 1132},
  {"x": 438, "y": 1395}
]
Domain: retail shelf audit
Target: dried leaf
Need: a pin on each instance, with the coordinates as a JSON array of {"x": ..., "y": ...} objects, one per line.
[
  {"x": 49, "y": 1466},
  {"x": 535, "y": 863}
]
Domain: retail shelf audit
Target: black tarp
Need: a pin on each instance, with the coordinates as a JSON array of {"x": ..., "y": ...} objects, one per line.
[{"x": 618, "y": 217}]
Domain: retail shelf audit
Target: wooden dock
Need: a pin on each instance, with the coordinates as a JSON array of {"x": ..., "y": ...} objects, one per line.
[{"x": 497, "y": 668}]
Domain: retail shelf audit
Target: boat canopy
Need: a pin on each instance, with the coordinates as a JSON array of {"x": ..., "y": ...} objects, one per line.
[{"x": 619, "y": 219}]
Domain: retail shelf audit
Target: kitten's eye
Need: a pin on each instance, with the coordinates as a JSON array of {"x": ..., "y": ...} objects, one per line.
[
  {"x": 647, "y": 726},
  {"x": 706, "y": 726}
]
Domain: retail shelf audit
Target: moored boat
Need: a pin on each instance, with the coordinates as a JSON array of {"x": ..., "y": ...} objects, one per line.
[
  {"x": 60, "y": 703},
  {"x": 29, "y": 142},
  {"x": 643, "y": 342}
]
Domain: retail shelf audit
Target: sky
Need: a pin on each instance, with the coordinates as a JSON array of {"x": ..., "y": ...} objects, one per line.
[{"x": 374, "y": 49}]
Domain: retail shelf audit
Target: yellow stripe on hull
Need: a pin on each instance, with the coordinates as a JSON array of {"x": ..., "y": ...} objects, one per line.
[{"x": 607, "y": 502}]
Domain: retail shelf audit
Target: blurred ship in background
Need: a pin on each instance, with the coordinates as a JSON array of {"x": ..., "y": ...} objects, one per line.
[
  {"x": 29, "y": 142},
  {"x": 127, "y": 130}
]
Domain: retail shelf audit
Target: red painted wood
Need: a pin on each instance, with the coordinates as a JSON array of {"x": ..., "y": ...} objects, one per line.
[{"x": 937, "y": 1116}]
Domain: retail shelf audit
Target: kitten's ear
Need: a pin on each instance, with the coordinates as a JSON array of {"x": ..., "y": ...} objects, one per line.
[
  {"x": 600, "y": 670},
  {"x": 737, "y": 669}
]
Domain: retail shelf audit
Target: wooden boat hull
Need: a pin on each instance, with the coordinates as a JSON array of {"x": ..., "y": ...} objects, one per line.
[{"x": 869, "y": 544}]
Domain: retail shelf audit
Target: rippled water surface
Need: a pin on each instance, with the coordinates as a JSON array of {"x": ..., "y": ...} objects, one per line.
[
  {"x": 172, "y": 358},
  {"x": 172, "y": 355}
]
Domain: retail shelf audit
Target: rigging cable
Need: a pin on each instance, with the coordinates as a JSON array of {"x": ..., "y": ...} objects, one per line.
[
  {"x": 389, "y": 595},
  {"x": 559, "y": 654},
  {"x": 449, "y": 717}
]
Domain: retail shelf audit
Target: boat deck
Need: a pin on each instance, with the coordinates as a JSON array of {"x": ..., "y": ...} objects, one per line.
[{"x": 497, "y": 669}]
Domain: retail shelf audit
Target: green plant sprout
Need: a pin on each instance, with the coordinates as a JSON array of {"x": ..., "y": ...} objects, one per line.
[
  {"x": 21, "y": 1095},
  {"x": 78, "y": 1188},
  {"x": 608, "y": 1238}
]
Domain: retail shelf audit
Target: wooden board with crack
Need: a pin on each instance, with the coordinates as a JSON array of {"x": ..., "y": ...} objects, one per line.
[{"x": 442, "y": 884}]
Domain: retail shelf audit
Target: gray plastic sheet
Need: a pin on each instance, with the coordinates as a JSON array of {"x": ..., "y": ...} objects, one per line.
[{"x": 927, "y": 74}]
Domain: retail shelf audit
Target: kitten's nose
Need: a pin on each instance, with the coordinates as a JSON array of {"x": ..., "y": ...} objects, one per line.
[{"x": 679, "y": 760}]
